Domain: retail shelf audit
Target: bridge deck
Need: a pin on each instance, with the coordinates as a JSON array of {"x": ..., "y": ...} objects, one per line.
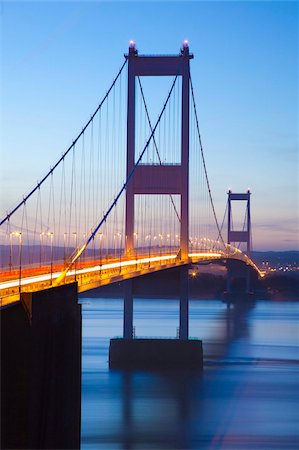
[{"x": 91, "y": 275}]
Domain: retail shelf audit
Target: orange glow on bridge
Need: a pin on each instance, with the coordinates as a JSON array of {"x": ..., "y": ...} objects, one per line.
[{"x": 93, "y": 274}]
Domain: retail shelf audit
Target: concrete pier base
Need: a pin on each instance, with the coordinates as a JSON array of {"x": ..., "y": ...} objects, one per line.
[{"x": 155, "y": 354}]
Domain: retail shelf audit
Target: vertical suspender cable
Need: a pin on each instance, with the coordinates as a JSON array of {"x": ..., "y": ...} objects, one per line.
[{"x": 204, "y": 164}]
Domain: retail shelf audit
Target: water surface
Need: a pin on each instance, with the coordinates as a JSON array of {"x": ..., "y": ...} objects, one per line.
[{"x": 246, "y": 397}]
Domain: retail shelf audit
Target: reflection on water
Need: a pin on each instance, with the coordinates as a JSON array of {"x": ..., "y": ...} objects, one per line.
[{"x": 246, "y": 397}]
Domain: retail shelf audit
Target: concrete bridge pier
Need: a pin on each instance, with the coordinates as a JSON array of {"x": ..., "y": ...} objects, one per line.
[
  {"x": 238, "y": 282},
  {"x": 128, "y": 328},
  {"x": 41, "y": 371},
  {"x": 237, "y": 236},
  {"x": 128, "y": 310},
  {"x": 152, "y": 353},
  {"x": 184, "y": 303},
  {"x": 248, "y": 281}
]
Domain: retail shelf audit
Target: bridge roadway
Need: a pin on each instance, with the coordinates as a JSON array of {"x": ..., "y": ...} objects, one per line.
[{"x": 90, "y": 275}]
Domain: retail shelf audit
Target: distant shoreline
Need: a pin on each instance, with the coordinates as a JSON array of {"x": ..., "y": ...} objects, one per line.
[{"x": 204, "y": 286}]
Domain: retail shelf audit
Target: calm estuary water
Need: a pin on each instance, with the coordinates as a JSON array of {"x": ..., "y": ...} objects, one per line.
[{"x": 246, "y": 398}]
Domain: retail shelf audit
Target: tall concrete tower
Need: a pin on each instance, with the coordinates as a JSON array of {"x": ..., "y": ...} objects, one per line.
[
  {"x": 162, "y": 179},
  {"x": 239, "y": 235}
]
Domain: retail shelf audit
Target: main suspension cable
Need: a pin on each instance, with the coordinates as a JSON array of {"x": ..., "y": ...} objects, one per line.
[
  {"x": 222, "y": 224},
  {"x": 78, "y": 251},
  {"x": 66, "y": 152}
]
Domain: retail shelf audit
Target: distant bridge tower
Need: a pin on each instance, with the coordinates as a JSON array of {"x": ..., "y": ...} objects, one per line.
[
  {"x": 239, "y": 235},
  {"x": 162, "y": 179},
  {"x": 243, "y": 235}
]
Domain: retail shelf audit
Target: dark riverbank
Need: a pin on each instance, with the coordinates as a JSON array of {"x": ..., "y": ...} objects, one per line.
[{"x": 282, "y": 286}]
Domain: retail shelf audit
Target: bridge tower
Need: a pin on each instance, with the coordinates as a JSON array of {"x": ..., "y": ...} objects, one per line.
[
  {"x": 162, "y": 179},
  {"x": 239, "y": 235}
]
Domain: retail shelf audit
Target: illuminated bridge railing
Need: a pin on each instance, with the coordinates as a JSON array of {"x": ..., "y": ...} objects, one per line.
[
  {"x": 89, "y": 277},
  {"x": 91, "y": 274}
]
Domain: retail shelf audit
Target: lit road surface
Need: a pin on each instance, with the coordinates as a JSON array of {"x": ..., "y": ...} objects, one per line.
[
  {"x": 103, "y": 267},
  {"x": 94, "y": 276},
  {"x": 115, "y": 265}
]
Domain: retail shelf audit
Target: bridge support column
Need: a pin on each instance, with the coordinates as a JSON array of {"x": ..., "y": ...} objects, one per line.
[
  {"x": 229, "y": 280},
  {"x": 128, "y": 310},
  {"x": 184, "y": 303},
  {"x": 238, "y": 282},
  {"x": 41, "y": 371},
  {"x": 156, "y": 354},
  {"x": 248, "y": 281}
]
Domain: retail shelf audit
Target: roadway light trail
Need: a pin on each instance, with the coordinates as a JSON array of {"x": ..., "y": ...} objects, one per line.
[
  {"x": 27, "y": 281},
  {"x": 100, "y": 274},
  {"x": 103, "y": 267}
]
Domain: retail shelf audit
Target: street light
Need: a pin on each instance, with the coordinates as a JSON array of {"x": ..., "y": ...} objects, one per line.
[
  {"x": 177, "y": 240},
  {"x": 75, "y": 236},
  {"x": 41, "y": 248},
  {"x": 84, "y": 255},
  {"x": 119, "y": 246},
  {"x": 19, "y": 234},
  {"x": 136, "y": 246},
  {"x": 51, "y": 234},
  {"x": 114, "y": 245},
  {"x": 10, "y": 251},
  {"x": 148, "y": 237},
  {"x": 168, "y": 241},
  {"x": 101, "y": 243},
  {"x": 64, "y": 247},
  {"x": 160, "y": 243}
]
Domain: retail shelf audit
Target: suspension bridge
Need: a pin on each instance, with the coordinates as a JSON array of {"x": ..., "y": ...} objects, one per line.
[{"x": 130, "y": 195}]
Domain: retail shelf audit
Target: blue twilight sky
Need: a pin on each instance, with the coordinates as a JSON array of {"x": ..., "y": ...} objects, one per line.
[{"x": 59, "y": 58}]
